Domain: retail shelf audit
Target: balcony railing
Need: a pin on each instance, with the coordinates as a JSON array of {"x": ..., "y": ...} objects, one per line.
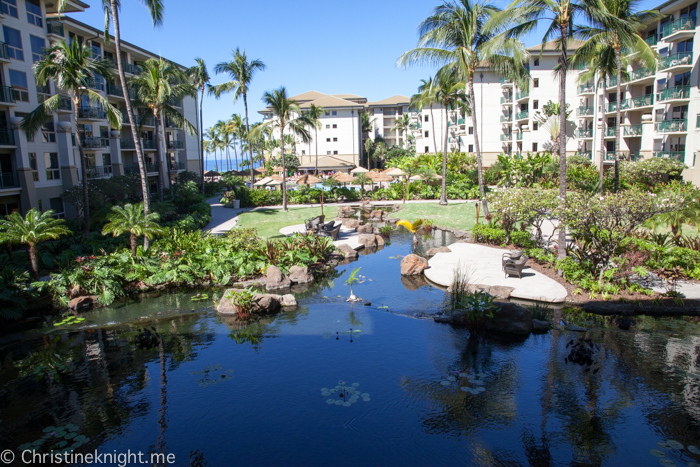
[
  {"x": 686, "y": 23},
  {"x": 652, "y": 41},
  {"x": 678, "y": 155},
  {"x": 460, "y": 121},
  {"x": 91, "y": 113},
  {"x": 7, "y": 137},
  {"x": 9, "y": 180},
  {"x": 116, "y": 90},
  {"x": 642, "y": 73},
  {"x": 584, "y": 133},
  {"x": 134, "y": 169},
  {"x": 127, "y": 143},
  {"x": 7, "y": 95},
  {"x": 643, "y": 101},
  {"x": 581, "y": 67},
  {"x": 584, "y": 111},
  {"x": 610, "y": 82},
  {"x": 611, "y": 131},
  {"x": 506, "y": 118},
  {"x": 632, "y": 130},
  {"x": 507, "y": 100},
  {"x": 4, "y": 51},
  {"x": 518, "y": 135},
  {"x": 99, "y": 171},
  {"x": 506, "y": 81},
  {"x": 95, "y": 143},
  {"x": 672, "y": 126},
  {"x": 522, "y": 115},
  {"x": 522, "y": 95},
  {"x": 177, "y": 166},
  {"x": 587, "y": 154},
  {"x": 683, "y": 58},
  {"x": 623, "y": 156},
  {"x": 54, "y": 27},
  {"x": 586, "y": 88},
  {"x": 624, "y": 105},
  {"x": 674, "y": 93},
  {"x": 508, "y": 137},
  {"x": 131, "y": 68},
  {"x": 181, "y": 144},
  {"x": 65, "y": 104},
  {"x": 95, "y": 84},
  {"x": 149, "y": 144}
]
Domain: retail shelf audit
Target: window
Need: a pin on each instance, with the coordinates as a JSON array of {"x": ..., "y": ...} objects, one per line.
[
  {"x": 471, "y": 148},
  {"x": 52, "y": 170},
  {"x": 328, "y": 127},
  {"x": 426, "y": 134},
  {"x": 18, "y": 81},
  {"x": 535, "y": 105},
  {"x": 303, "y": 152},
  {"x": 335, "y": 153},
  {"x": 425, "y": 118},
  {"x": 96, "y": 51},
  {"x": 659, "y": 115},
  {"x": 9, "y": 7},
  {"x": 328, "y": 140},
  {"x": 536, "y": 62},
  {"x": 34, "y": 13},
  {"x": 427, "y": 149},
  {"x": 32, "y": 165},
  {"x": 377, "y": 111},
  {"x": 534, "y": 147},
  {"x": 48, "y": 132},
  {"x": 14, "y": 43},
  {"x": 535, "y": 126},
  {"x": 335, "y": 140},
  {"x": 57, "y": 207},
  {"x": 107, "y": 161},
  {"x": 38, "y": 45},
  {"x": 328, "y": 153},
  {"x": 335, "y": 126},
  {"x": 334, "y": 113},
  {"x": 536, "y": 83},
  {"x": 326, "y": 113},
  {"x": 43, "y": 92},
  {"x": 471, "y": 130}
]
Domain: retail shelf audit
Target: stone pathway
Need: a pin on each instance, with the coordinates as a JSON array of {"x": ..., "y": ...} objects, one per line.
[
  {"x": 484, "y": 265},
  {"x": 346, "y": 235}
]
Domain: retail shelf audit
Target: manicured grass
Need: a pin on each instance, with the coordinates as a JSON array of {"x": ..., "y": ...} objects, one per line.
[{"x": 268, "y": 222}]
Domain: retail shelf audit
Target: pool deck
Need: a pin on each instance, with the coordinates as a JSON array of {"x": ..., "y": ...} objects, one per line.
[
  {"x": 346, "y": 236},
  {"x": 484, "y": 266}
]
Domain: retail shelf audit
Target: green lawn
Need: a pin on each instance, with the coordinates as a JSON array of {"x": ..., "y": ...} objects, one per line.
[{"x": 268, "y": 222}]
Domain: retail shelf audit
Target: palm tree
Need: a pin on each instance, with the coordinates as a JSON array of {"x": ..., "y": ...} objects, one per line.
[
  {"x": 156, "y": 8},
  {"x": 313, "y": 115},
  {"x": 200, "y": 79},
  {"x": 363, "y": 179},
  {"x": 367, "y": 123},
  {"x": 131, "y": 218},
  {"x": 286, "y": 115},
  {"x": 426, "y": 97},
  {"x": 401, "y": 125},
  {"x": 158, "y": 85},
  {"x": 561, "y": 18},
  {"x": 241, "y": 71},
  {"x": 73, "y": 69},
  {"x": 454, "y": 37},
  {"x": 31, "y": 230},
  {"x": 616, "y": 24},
  {"x": 235, "y": 125}
]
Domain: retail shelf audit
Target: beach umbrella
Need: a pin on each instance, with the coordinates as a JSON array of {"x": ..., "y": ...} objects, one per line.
[
  {"x": 359, "y": 170},
  {"x": 343, "y": 177},
  {"x": 394, "y": 172},
  {"x": 263, "y": 181},
  {"x": 416, "y": 177},
  {"x": 260, "y": 170},
  {"x": 378, "y": 177}
]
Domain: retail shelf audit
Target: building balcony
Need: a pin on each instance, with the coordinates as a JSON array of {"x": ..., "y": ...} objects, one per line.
[
  {"x": 508, "y": 137},
  {"x": 8, "y": 180},
  {"x": 506, "y": 100},
  {"x": 116, "y": 90},
  {"x": 672, "y": 126},
  {"x": 651, "y": 41},
  {"x": 131, "y": 68},
  {"x": 95, "y": 143},
  {"x": 523, "y": 115},
  {"x": 678, "y": 30},
  {"x": 506, "y": 118},
  {"x": 7, "y": 137},
  {"x": 127, "y": 143},
  {"x": 522, "y": 95},
  {"x": 65, "y": 104},
  {"x": 177, "y": 166},
  {"x": 584, "y": 112},
  {"x": 582, "y": 67},
  {"x": 172, "y": 145},
  {"x": 586, "y": 154},
  {"x": 585, "y": 89},
  {"x": 632, "y": 130},
  {"x": 99, "y": 171},
  {"x": 518, "y": 135},
  {"x": 643, "y": 101},
  {"x": 611, "y": 82},
  {"x": 643, "y": 74},
  {"x": 677, "y": 155},
  {"x": 611, "y": 132},
  {"x": 624, "y": 105},
  {"x": 584, "y": 133},
  {"x": 96, "y": 85},
  {"x": 91, "y": 113},
  {"x": 7, "y": 95},
  {"x": 145, "y": 120},
  {"x": 676, "y": 93},
  {"x": 54, "y": 27},
  {"x": 149, "y": 144},
  {"x": 623, "y": 156},
  {"x": 506, "y": 82},
  {"x": 676, "y": 63},
  {"x": 4, "y": 52},
  {"x": 134, "y": 168}
]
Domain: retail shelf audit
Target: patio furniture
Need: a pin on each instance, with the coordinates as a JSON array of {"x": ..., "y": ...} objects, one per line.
[
  {"x": 333, "y": 233},
  {"x": 313, "y": 223},
  {"x": 327, "y": 226},
  {"x": 510, "y": 255},
  {"x": 513, "y": 263}
]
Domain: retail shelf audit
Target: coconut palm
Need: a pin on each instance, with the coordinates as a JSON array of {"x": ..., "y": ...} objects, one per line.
[
  {"x": 561, "y": 18},
  {"x": 401, "y": 125},
  {"x": 34, "y": 228},
  {"x": 158, "y": 85},
  {"x": 156, "y": 8},
  {"x": 617, "y": 24},
  {"x": 237, "y": 127},
  {"x": 241, "y": 71},
  {"x": 73, "y": 70},
  {"x": 200, "y": 79},
  {"x": 132, "y": 219},
  {"x": 426, "y": 97},
  {"x": 454, "y": 37},
  {"x": 363, "y": 179},
  {"x": 313, "y": 115},
  {"x": 286, "y": 115}
]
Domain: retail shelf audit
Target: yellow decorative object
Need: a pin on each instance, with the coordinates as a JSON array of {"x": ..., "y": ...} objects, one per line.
[{"x": 411, "y": 227}]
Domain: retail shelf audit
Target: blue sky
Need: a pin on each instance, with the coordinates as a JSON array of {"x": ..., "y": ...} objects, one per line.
[{"x": 337, "y": 46}]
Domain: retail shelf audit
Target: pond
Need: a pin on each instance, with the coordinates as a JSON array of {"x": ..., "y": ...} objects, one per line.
[{"x": 333, "y": 383}]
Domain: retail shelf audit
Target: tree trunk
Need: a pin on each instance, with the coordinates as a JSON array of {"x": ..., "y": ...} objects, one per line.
[
  {"x": 134, "y": 241},
  {"x": 159, "y": 156},
  {"x": 130, "y": 114},
  {"x": 479, "y": 162},
  {"x": 250, "y": 146},
  {"x": 443, "y": 194},
  {"x": 561, "y": 242},
  {"x": 601, "y": 163},
  {"x": 284, "y": 169},
  {"x": 235, "y": 153},
  {"x": 83, "y": 171},
  {"x": 201, "y": 139},
  {"x": 34, "y": 258},
  {"x": 618, "y": 111}
]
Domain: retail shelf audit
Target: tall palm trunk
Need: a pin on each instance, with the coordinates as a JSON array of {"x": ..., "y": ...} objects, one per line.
[
  {"x": 201, "y": 138},
  {"x": 235, "y": 153},
  {"x": 250, "y": 147},
  {"x": 443, "y": 194},
  {"x": 83, "y": 170},
  {"x": 479, "y": 162},
  {"x": 145, "y": 192},
  {"x": 228, "y": 157},
  {"x": 284, "y": 169},
  {"x": 561, "y": 241},
  {"x": 618, "y": 113},
  {"x": 159, "y": 156},
  {"x": 601, "y": 159},
  {"x": 133, "y": 240},
  {"x": 34, "y": 258},
  {"x": 168, "y": 164}
]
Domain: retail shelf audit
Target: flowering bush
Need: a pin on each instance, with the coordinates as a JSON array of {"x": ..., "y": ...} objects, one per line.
[
  {"x": 527, "y": 206},
  {"x": 648, "y": 173}
]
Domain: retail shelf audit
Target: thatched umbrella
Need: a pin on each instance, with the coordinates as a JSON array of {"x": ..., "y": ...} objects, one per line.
[
  {"x": 260, "y": 170},
  {"x": 343, "y": 177},
  {"x": 211, "y": 174},
  {"x": 309, "y": 179},
  {"x": 263, "y": 181},
  {"x": 359, "y": 170},
  {"x": 378, "y": 177},
  {"x": 394, "y": 172}
]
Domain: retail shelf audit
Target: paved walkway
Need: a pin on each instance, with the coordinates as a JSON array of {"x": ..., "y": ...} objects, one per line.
[
  {"x": 346, "y": 236},
  {"x": 484, "y": 266}
]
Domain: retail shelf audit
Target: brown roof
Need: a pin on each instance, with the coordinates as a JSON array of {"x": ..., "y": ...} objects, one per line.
[
  {"x": 551, "y": 46},
  {"x": 308, "y": 96},
  {"x": 394, "y": 100},
  {"x": 330, "y": 102},
  {"x": 328, "y": 163}
]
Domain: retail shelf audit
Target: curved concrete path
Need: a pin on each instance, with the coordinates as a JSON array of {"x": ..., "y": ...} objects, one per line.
[
  {"x": 484, "y": 266},
  {"x": 346, "y": 235}
]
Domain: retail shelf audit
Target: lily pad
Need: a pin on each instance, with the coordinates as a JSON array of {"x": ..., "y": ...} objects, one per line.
[
  {"x": 657, "y": 453},
  {"x": 71, "y": 427},
  {"x": 465, "y": 389},
  {"x": 62, "y": 443},
  {"x": 482, "y": 375},
  {"x": 49, "y": 429},
  {"x": 347, "y": 404},
  {"x": 365, "y": 394},
  {"x": 39, "y": 442},
  {"x": 24, "y": 447},
  {"x": 445, "y": 383},
  {"x": 366, "y": 399},
  {"x": 674, "y": 444},
  {"x": 480, "y": 389},
  {"x": 693, "y": 464},
  {"x": 463, "y": 375},
  {"x": 694, "y": 449},
  {"x": 330, "y": 401},
  {"x": 338, "y": 402},
  {"x": 76, "y": 445},
  {"x": 70, "y": 435},
  {"x": 663, "y": 445},
  {"x": 478, "y": 382},
  {"x": 355, "y": 384},
  {"x": 451, "y": 378},
  {"x": 667, "y": 462}
]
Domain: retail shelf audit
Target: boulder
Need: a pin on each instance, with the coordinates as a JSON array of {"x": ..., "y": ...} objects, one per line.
[
  {"x": 413, "y": 264},
  {"x": 346, "y": 212},
  {"x": 366, "y": 228},
  {"x": 461, "y": 233},
  {"x": 288, "y": 300},
  {"x": 276, "y": 280},
  {"x": 393, "y": 220},
  {"x": 413, "y": 282},
  {"x": 379, "y": 239},
  {"x": 82, "y": 303},
  {"x": 433, "y": 251},
  {"x": 300, "y": 275},
  {"x": 368, "y": 240},
  {"x": 376, "y": 214},
  {"x": 263, "y": 303},
  {"x": 540, "y": 325},
  {"x": 347, "y": 251},
  {"x": 350, "y": 223},
  {"x": 575, "y": 328},
  {"x": 510, "y": 319}
]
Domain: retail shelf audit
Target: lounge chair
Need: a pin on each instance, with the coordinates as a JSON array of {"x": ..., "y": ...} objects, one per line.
[
  {"x": 313, "y": 223},
  {"x": 513, "y": 263},
  {"x": 327, "y": 226},
  {"x": 333, "y": 233}
]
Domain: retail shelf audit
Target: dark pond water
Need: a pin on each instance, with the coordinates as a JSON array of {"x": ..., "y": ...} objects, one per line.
[{"x": 220, "y": 394}]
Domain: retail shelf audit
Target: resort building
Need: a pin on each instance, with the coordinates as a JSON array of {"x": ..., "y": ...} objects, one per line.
[{"x": 37, "y": 169}]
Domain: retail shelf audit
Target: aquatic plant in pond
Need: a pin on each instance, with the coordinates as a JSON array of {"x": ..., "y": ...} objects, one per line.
[
  {"x": 57, "y": 439},
  {"x": 71, "y": 319},
  {"x": 353, "y": 279},
  {"x": 200, "y": 297},
  {"x": 346, "y": 395},
  {"x": 212, "y": 374},
  {"x": 664, "y": 450},
  {"x": 458, "y": 379}
]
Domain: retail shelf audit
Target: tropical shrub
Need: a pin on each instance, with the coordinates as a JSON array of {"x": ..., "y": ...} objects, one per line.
[
  {"x": 524, "y": 206},
  {"x": 648, "y": 173}
]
